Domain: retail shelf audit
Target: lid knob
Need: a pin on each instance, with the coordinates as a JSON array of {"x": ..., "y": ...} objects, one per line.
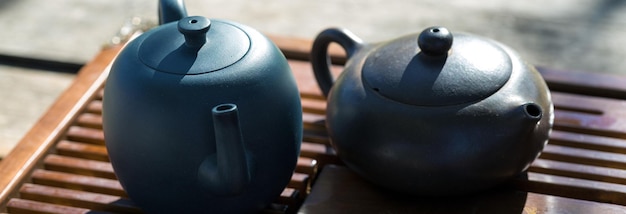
[
  {"x": 435, "y": 41},
  {"x": 194, "y": 28}
]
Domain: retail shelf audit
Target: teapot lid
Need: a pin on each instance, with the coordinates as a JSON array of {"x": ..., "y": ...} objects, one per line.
[
  {"x": 432, "y": 70},
  {"x": 197, "y": 46}
]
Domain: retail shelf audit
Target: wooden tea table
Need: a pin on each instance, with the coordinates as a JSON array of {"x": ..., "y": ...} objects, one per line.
[{"x": 61, "y": 165}]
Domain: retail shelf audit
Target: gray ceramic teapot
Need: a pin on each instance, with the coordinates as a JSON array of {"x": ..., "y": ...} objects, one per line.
[
  {"x": 433, "y": 113},
  {"x": 202, "y": 116}
]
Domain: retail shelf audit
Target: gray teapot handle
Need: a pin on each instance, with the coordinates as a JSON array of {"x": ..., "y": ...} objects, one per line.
[{"x": 320, "y": 58}]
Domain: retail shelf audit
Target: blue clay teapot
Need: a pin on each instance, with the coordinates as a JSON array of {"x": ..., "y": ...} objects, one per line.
[
  {"x": 433, "y": 113},
  {"x": 202, "y": 116}
]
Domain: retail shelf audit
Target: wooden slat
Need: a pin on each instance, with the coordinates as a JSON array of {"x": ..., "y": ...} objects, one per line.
[
  {"x": 94, "y": 107},
  {"x": 316, "y": 139},
  {"x": 312, "y": 149},
  {"x": 574, "y": 188},
  {"x": 287, "y": 202},
  {"x": 300, "y": 182},
  {"x": 313, "y": 106},
  {"x": 581, "y": 171},
  {"x": 75, "y": 198},
  {"x": 15, "y": 167},
  {"x": 79, "y": 166},
  {"x": 538, "y": 203},
  {"x": 586, "y": 141},
  {"x": 306, "y": 165},
  {"x": 306, "y": 79},
  {"x": 339, "y": 190},
  {"x": 318, "y": 135},
  {"x": 313, "y": 122},
  {"x": 288, "y": 196},
  {"x": 590, "y": 115},
  {"x": 78, "y": 182},
  {"x": 82, "y": 150},
  {"x": 85, "y": 135},
  {"x": 324, "y": 154},
  {"x": 89, "y": 120},
  {"x": 583, "y": 156},
  {"x": 593, "y": 84},
  {"x": 22, "y": 206}
]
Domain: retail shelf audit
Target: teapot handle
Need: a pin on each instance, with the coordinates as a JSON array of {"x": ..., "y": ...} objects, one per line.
[
  {"x": 171, "y": 10},
  {"x": 320, "y": 58}
]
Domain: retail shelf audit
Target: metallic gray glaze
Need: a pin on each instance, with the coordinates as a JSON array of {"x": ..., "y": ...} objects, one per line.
[{"x": 431, "y": 143}]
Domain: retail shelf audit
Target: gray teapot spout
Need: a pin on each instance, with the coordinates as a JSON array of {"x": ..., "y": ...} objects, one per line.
[
  {"x": 226, "y": 173},
  {"x": 532, "y": 112},
  {"x": 171, "y": 10}
]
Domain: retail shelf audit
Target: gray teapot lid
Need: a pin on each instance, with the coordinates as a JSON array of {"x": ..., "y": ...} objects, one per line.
[
  {"x": 432, "y": 70},
  {"x": 194, "y": 45}
]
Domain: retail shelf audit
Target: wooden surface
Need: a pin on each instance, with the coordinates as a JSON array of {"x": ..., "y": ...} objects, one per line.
[
  {"x": 15, "y": 167},
  {"x": 338, "y": 187},
  {"x": 61, "y": 165}
]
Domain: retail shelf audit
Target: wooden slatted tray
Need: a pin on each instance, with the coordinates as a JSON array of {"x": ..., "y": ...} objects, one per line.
[{"x": 61, "y": 165}]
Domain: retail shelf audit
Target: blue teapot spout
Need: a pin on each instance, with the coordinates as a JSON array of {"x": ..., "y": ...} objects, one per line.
[
  {"x": 171, "y": 10},
  {"x": 226, "y": 172}
]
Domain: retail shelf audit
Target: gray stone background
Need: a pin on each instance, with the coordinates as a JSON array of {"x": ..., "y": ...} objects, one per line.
[{"x": 577, "y": 35}]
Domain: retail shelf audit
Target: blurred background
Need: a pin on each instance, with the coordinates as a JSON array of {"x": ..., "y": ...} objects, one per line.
[{"x": 43, "y": 43}]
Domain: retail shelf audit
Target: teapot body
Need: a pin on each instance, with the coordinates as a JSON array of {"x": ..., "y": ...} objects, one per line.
[
  {"x": 159, "y": 130},
  {"x": 436, "y": 150}
]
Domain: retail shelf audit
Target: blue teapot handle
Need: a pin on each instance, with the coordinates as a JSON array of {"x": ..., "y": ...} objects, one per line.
[
  {"x": 320, "y": 58},
  {"x": 171, "y": 10}
]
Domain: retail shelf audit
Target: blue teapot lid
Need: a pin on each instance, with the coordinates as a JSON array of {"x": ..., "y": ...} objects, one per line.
[
  {"x": 432, "y": 70},
  {"x": 194, "y": 45}
]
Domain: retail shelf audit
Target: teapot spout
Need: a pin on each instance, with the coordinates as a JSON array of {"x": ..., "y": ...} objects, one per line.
[
  {"x": 171, "y": 10},
  {"x": 532, "y": 112},
  {"x": 226, "y": 172}
]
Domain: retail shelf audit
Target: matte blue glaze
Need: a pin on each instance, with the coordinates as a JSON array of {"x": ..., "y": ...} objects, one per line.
[{"x": 185, "y": 136}]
